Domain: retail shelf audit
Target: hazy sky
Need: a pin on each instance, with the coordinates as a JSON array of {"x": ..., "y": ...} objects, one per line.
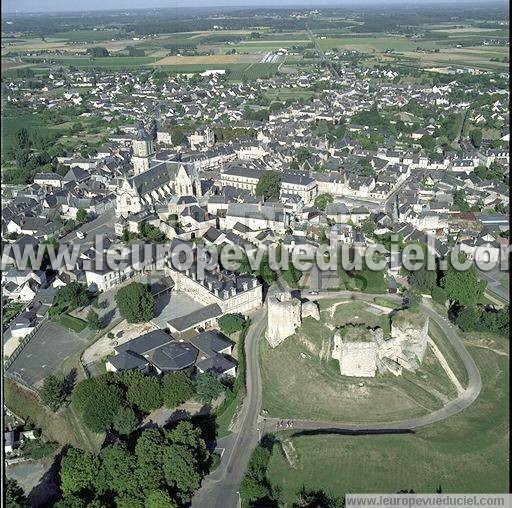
[{"x": 91, "y": 5}]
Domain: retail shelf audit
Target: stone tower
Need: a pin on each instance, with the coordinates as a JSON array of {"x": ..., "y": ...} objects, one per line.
[
  {"x": 284, "y": 316},
  {"x": 143, "y": 149}
]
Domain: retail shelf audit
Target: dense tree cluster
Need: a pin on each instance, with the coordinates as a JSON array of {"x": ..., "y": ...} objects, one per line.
[
  {"x": 117, "y": 401},
  {"x": 160, "y": 468},
  {"x": 478, "y": 318}
]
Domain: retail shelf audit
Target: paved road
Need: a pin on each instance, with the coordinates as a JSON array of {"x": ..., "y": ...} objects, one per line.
[
  {"x": 314, "y": 40},
  {"x": 220, "y": 489},
  {"x": 493, "y": 279},
  {"x": 103, "y": 224}
]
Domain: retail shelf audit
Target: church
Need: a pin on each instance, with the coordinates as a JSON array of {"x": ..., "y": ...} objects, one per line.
[{"x": 153, "y": 181}]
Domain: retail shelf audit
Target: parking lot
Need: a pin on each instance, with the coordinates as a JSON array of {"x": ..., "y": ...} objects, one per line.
[{"x": 44, "y": 353}]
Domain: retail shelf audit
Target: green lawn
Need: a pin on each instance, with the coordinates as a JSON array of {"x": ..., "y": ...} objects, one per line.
[
  {"x": 466, "y": 453},
  {"x": 72, "y": 323}
]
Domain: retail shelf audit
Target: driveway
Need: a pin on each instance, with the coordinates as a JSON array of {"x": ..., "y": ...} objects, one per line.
[{"x": 497, "y": 282}]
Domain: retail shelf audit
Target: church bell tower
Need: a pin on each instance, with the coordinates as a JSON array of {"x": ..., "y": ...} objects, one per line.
[{"x": 143, "y": 149}]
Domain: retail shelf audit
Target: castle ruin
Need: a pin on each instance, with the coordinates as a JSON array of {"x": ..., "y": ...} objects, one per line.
[
  {"x": 361, "y": 351},
  {"x": 285, "y": 315}
]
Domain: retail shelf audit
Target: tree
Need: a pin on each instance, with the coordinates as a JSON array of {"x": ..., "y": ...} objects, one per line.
[
  {"x": 135, "y": 303},
  {"x": 459, "y": 200},
  {"x": 251, "y": 489},
  {"x": 101, "y": 408},
  {"x": 231, "y": 323},
  {"x": 265, "y": 272},
  {"x": 423, "y": 279},
  {"x": 177, "y": 388},
  {"x": 93, "y": 320},
  {"x": 208, "y": 387},
  {"x": 84, "y": 390},
  {"x": 22, "y": 138},
  {"x": 145, "y": 393},
  {"x": 158, "y": 499},
  {"x": 302, "y": 155},
  {"x": 181, "y": 471},
  {"x": 322, "y": 200},
  {"x": 476, "y": 137},
  {"x": 125, "y": 421},
  {"x": 439, "y": 295},
  {"x": 53, "y": 393},
  {"x": 268, "y": 185},
  {"x": 81, "y": 215},
  {"x": 97, "y": 51},
  {"x": 467, "y": 319},
  {"x": 317, "y": 499},
  {"x": 117, "y": 471},
  {"x": 70, "y": 297},
  {"x": 149, "y": 451},
  {"x": 14, "y": 495},
  {"x": 463, "y": 287},
  {"x": 178, "y": 138},
  {"x": 151, "y": 233},
  {"x": 78, "y": 472}
]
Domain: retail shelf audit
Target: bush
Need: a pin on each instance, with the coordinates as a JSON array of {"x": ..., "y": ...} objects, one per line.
[
  {"x": 439, "y": 295},
  {"x": 38, "y": 450},
  {"x": 231, "y": 323}
]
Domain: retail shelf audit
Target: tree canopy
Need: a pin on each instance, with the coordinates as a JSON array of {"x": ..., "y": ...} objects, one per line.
[
  {"x": 463, "y": 287},
  {"x": 208, "y": 387},
  {"x": 269, "y": 185},
  {"x": 135, "y": 303}
]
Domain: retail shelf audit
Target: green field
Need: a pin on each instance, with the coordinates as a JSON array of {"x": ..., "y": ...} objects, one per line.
[
  {"x": 72, "y": 323},
  {"x": 11, "y": 124},
  {"x": 466, "y": 453},
  {"x": 108, "y": 62},
  {"x": 301, "y": 380},
  {"x": 87, "y": 35}
]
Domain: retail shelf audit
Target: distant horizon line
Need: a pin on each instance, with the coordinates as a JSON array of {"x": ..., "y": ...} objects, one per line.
[{"x": 242, "y": 6}]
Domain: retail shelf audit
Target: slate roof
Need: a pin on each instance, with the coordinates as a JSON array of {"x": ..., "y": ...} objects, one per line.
[
  {"x": 217, "y": 364},
  {"x": 211, "y": 342},
  {"x": 197, "y": 317},
  {"x": 173, "y": 356}
]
